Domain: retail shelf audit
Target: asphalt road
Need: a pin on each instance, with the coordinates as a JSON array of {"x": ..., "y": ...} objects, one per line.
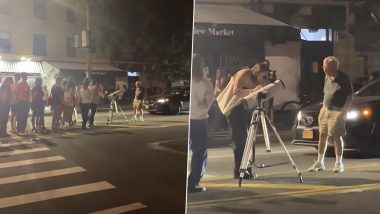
[
  {"x": 277, "y": 189},
  {"x": 124, "y": 167}
]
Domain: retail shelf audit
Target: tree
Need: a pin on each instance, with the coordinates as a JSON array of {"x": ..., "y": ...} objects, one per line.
[{"x": 158, "y": 33}]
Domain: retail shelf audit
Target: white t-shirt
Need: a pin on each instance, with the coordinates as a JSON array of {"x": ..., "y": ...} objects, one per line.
[{"x": 202, "y": 97}]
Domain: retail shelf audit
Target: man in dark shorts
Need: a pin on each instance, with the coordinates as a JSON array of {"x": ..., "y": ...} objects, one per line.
[
  {"x": 17, "y": 78},
  {"x": 337, "y": 98}
]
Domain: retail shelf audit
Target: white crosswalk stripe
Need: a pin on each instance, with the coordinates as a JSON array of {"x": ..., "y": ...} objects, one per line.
[
  {"x": 55, "y": 193},
  {"x": 53, "y": 168}
]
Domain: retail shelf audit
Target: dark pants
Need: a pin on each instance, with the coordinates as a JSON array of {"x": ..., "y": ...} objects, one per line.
[
  {"x": 22, "y": 115},
  {"x": 218, "y": 121},
  {"x": 93, "y": 108},
  {"x": 84, "y": 107},
  {"x": 239, "y": 120},
  {"x": 198, "y": 139},
  {"x": 4, "y": 116}
]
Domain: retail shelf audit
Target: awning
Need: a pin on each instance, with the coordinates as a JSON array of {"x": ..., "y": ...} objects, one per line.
[
  {"x": 30, "y": 67},
  {"x": 82, "y": 66},
  {"x": 229, "y": 14}
]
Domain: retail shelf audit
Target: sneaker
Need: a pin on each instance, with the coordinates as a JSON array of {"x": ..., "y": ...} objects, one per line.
[
  {"x": 317, "y": 166},
  {"x": 338, "y": 168}
]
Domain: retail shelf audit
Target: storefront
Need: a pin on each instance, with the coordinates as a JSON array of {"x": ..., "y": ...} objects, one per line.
[
  {"x": 101, "y": 72},
  {"x": 232, "y": 37},
  {"x": 10, "y": 67}
]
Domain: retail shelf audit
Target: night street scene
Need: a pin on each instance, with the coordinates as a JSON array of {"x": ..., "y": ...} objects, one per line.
[
  {"x": 294, "y": 125},
  {"x": 94, "y": 105}
]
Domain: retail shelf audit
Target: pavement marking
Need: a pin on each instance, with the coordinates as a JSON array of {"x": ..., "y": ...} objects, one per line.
[
  {"x": 121, "y": 209},
  {"x": 265, "y": 153},
  {"x": 39, "y": 175},
  {"x": 23, "y": 151},
  {"x": 157, "y": 146},
  {"x": 268, "y": 186},
  {"x": 53, "y": 194},
  {"x": 31, "y": 161},
  {"x": 303, "y": 193}
]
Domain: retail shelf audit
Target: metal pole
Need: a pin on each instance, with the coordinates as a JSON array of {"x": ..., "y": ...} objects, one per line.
[{"x": 88, "y": 50}]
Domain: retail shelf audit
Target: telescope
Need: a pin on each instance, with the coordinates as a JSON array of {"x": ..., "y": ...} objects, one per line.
[
  {"x": 113, "y": 95},
  {"x": 267, "y": 92}
]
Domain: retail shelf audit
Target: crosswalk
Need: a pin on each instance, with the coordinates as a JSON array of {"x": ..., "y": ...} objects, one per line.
[{"x": 31, "y": 173}]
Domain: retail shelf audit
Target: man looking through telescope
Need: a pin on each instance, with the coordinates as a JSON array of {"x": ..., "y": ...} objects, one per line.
[{"x": 243, "y": 83}]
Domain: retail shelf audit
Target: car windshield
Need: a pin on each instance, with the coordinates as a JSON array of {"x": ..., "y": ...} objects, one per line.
[
  {"x": 372, "y": 89},
  {"x": 172, "y": 91}
]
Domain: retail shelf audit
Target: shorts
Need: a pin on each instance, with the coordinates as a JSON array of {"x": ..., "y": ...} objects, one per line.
[
  {"x": 331, "y": 122},
  {"x": 137, "y": 104}
]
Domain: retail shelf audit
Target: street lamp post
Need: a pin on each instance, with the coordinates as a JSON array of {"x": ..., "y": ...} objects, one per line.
[{"x": 88, "y": 49}]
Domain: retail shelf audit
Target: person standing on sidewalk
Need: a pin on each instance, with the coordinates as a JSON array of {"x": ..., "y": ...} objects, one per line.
[
  {"x": 37, "y": 106},
  {"x": 337, "y": 98},
  {"x": 56, "y": 103},
  {"x": 23, "y": 99},
  {"x": 85, "y": 98},
  {"x": 5, "y": 105},
  {"x": 14, "y": 103},
  {"x": 202, "y": 97},
  {"x": 68, "y": 102}
]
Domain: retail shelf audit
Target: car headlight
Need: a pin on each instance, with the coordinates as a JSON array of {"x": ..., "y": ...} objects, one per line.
[
  {"x": 163, "y": 100},
  {"x": 352, "y": 115},
  {"x": 306, "y": 118},
  {"x": 364, "y": 113}
]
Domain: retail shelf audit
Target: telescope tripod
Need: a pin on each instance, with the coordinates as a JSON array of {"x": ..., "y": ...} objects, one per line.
[
  {"x": 115, "y": 107},
  {"x": 246, "y": 162}
]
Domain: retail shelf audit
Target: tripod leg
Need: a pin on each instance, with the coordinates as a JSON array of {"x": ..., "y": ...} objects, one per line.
[
  {"x": 265, "y": 131},
  {"x": 248, "y": 147},
  {"x": 122, "y": 112},
  {"x": 286, "y": 150}
]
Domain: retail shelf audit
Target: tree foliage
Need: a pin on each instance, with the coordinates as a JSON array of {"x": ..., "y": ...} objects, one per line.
[{"x": 155, "y": 32}]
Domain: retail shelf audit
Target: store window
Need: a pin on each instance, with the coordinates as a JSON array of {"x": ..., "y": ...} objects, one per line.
[
  {"x": 39, "y": 44},
  {"x": 40, "y": 9},
  {"x": 5, "y": 42}
]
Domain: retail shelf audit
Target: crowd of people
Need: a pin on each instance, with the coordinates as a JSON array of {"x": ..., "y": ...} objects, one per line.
[{"x": 17, "y": 98}]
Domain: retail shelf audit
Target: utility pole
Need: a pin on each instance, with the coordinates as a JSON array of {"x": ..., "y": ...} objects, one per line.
[{"x": 88, "y": 49}]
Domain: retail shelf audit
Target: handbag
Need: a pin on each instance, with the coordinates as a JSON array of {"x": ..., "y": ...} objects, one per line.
[{"x": 227, "y": 100}]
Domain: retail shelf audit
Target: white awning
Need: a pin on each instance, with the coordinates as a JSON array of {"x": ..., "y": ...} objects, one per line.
[
  {"x": 82, "y": 66},
  {"x": 30, "y": 67},
  {"x": 229, "y": 14}
]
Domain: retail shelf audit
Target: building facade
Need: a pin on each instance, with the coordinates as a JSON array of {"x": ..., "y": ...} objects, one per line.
[{"x": 42, "y": 32}]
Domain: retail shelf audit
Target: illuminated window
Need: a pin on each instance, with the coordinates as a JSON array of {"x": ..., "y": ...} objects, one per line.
[
  {"x": 39, "y": 44},
  {"x": 316, "y": 35},
  {"x": 40, "y": 9},
  {"x": 5, "y": 42}
]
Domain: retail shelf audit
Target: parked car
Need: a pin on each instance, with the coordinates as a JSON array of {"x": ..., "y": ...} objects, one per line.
[
  {"x": 362, "y": 122},
  {"x": 171, "y": 101}
]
